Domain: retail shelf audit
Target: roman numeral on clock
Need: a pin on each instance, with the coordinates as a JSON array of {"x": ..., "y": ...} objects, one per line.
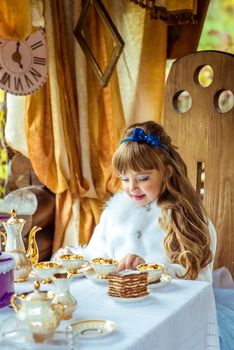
[
  {"x": 6, "y": 79},
  {"x": 35, "y": 73},
  {"x": 36, "y": 45},
  {"x": 28, "y": 81},
  {"x": 39, "y": 60},
  {"x": 18, "y": 84}
]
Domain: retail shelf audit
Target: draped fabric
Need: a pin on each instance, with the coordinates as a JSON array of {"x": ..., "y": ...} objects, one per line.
[
  {"x": 55, "y": 150},
  {"x": 172, "y": 12},
  {"x": 15, "y": 23},
  {"x": 141, "y": 68},
  {"x": 15, "y": 19},
  {"x": 134, "y": 93},
  {"x": 14, "y": 129},
  {"x": 72, "y": 124}
]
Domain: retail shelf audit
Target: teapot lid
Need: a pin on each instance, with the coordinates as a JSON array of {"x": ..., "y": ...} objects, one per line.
[
  {"x": 38, "y": 295},
  {"x": 13, "y": 218}
]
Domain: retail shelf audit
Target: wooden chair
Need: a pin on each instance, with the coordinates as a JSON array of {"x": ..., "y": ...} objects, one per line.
[
  {"x": 32, "y": 201},
  {"x": 200, "y": 120}
]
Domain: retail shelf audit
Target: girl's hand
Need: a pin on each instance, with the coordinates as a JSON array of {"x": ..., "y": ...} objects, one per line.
[
  {"x": 130, "y": 261},
  {"x": 61, "y": 251}
]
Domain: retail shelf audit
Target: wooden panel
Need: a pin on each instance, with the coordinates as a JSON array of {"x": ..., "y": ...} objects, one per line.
[{"x": 203, "y": 134}]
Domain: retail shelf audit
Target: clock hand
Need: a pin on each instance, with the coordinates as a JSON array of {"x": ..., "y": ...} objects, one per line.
[{"x": 16, "y": 56}]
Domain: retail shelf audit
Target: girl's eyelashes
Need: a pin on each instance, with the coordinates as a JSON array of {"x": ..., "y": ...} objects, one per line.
[
  {"x": 123, "y": 178},
  {"x": 139, "y": 178},
  {"x": 143, "y": 178}
]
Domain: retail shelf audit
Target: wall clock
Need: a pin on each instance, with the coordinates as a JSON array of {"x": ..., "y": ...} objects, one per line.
[{"x": 23, "y": 64}]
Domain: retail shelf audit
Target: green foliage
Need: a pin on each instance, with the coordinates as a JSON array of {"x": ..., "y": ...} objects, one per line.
[{"x": 218, "y": 33}]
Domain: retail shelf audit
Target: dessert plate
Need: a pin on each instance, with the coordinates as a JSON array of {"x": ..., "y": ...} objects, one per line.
[
  {"x": 93, "y": 276},
  {"x": 92, "y": 329},
  {"x": 129, "y": 300},
  {"x": 164, "y": 280}
]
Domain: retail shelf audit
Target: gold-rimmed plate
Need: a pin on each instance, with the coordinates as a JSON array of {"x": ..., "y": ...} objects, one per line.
[
  {"x": 78, "y": 273},
  {"x": 130, "y": 300},
  {"x": 92, "y": 329}
]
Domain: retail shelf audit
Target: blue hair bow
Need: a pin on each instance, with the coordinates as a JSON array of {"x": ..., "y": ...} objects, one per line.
[{"x": 138, "y": 135}]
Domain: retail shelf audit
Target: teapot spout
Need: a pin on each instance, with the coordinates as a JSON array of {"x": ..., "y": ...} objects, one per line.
[{"x": 32, "y": 251}]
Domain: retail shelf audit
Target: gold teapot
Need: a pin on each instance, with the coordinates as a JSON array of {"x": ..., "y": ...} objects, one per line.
[
  {"x": 15, "y": 247},
  {"x": 37, "y": 309}
]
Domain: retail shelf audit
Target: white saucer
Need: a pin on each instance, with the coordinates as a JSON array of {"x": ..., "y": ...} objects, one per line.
[
  {"x": 79, "y": 272},
  {"x": 164, "y": 280},
  {"x": 130, "y": 300},
  {"x": 93, "y": 276},
  {"x": 92, "y": 329}
]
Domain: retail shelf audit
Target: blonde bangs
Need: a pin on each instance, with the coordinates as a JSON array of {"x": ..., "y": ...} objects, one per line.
[{"x": 136, "y": 157}]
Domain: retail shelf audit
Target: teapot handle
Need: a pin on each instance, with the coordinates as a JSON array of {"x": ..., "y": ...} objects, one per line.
[
  {"x": 15, "y": 306},
  {"x": 58, "y": 309},
  {"x": 4, "y": 237}
]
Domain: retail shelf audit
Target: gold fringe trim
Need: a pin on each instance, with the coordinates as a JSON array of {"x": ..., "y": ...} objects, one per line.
[{"x": 186, "y": 16}]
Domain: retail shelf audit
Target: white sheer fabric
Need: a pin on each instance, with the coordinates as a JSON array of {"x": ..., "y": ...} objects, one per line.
[
  {"x": 14, "y": 130},
  {"x": 222, "y": 278}
]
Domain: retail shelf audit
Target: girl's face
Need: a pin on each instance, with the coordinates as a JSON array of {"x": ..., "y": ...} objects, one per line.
[{"x": 142, "y": 187}]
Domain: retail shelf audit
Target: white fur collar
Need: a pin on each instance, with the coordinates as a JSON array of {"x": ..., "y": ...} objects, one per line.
[{"x": 124, "y": 207}]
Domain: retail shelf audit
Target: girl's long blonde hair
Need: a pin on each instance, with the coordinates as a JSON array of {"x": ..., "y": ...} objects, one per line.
[{"x": 184, "y": 220}]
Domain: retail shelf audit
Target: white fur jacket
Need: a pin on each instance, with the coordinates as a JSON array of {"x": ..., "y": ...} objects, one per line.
[{"x": 125, "y": 228}]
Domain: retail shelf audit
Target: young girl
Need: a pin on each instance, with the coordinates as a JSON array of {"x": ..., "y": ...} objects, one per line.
[{"x": 158, "y": 218}]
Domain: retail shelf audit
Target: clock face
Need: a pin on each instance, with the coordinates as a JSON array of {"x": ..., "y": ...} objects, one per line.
[{"x": 23, "y": 64}]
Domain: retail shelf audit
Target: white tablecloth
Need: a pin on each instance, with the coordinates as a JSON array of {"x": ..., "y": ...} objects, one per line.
[{"x": 179, "y": 316}]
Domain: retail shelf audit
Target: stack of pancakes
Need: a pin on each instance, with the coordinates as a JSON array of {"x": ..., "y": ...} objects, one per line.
[{"x": 128, "y": 284}]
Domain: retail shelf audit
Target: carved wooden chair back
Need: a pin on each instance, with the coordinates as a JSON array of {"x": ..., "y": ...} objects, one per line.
[{"x": 199, "y": 116}]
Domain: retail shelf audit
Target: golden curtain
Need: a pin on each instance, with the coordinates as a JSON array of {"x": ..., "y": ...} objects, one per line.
[
  {"x": 15, "y": 19},
  {"x": 73, "y": 125},
  {"x": 135, "y": 92},
  {"x": 52, "y": 125}
]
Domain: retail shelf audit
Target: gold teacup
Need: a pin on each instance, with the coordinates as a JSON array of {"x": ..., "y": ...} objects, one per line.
[
  {"x": 104, "y": 266},
  {"x": 73, "y": 262},
  {"x": 45, "y": 269},
  {"x": 154, "y": 271}
]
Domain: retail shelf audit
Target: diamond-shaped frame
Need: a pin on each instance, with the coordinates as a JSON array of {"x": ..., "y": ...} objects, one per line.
[{"x": 103, "y": 77}]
